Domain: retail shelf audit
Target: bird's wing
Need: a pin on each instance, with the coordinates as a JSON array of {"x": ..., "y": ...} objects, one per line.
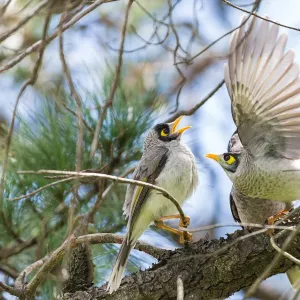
[
  {"x": 147, "y": 170},
  {"x": 234, "y": 210},
  {"x": 264, "y": 87}
]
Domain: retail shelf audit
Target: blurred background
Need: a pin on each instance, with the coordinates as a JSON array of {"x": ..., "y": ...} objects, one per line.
[{"x": 163, "y": 72}]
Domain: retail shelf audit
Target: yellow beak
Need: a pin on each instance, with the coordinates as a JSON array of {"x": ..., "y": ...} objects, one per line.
[
  {"x": 213, "y": 156},
  {"x": 181, "y": 130}
]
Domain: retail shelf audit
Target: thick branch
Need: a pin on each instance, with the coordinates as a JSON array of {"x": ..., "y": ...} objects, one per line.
[{"x": 209, "y": 269}]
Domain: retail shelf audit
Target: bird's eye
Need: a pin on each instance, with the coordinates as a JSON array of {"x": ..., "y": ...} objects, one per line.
[
  {"x": 229, "y": 159},
  {"x": 164, "y": 132}
]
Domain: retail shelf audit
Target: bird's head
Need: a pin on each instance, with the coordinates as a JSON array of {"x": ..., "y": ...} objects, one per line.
[
  {"x": 165, "y": 133},
  {"x": 229, "y": 161}
]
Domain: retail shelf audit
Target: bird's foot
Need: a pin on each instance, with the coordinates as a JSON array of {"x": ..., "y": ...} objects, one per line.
[
  {"x": 275, "y": 218},
  {"x": 184, "y": 235}
]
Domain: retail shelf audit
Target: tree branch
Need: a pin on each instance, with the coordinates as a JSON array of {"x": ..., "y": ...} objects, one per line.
[
  {"x": 258, "y": 16},
  {"x": 209, "y": 269}
]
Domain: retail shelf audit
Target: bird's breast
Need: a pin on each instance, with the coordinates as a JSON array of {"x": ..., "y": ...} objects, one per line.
[{"x": 268, "y": 181}]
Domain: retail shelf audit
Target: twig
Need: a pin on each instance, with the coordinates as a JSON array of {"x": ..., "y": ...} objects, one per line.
[
  {"x": 275, "y": 261},
  {"x": 50, "y": 38},
  {"x": 28, "y": 82},
  {"x": 9, "y": 289},
  {"x": 284, "y": 253},
  {"x": 97, "y": 204},
  {"x": 197, "y": 106},
  {"x": 4, "y": 7},
  {"x": 183, "y": 79},
  {"x": 180, "y": 288},
  {"x": 251, "y": 225},
  {"x": 117, "y": 179},
  {"x": 54, "y": 258},
  {"x": 41, "y": 189},
  {"x": 48, "y": 262},
  {"x": 74, "y": 94},
  {"x": 260, "y": 17},
  {"x": 114, "y": 85},
  {"x": 32, "y": 14},
  {"x": 256, "y": 4}
]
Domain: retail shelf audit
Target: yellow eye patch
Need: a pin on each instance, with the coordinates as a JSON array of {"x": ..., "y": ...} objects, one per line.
[
  {"x": 164, "y": 132},
  {"x": 229, "y": 159}
]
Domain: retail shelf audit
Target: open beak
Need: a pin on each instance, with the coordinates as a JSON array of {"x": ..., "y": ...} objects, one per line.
[
  {"x": 213, "y": 156},
  {"x": 181, "y": 130}
]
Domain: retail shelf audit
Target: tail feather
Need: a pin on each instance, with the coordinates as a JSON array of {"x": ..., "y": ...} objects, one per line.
[{"x": 119, "y": 267}]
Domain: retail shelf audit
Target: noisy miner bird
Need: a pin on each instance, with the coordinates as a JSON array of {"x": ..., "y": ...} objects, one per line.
[
  {"x": 256, "y": 211},
  {"x": 167, "y": 163},
  {"x": 264, "y": 86}
]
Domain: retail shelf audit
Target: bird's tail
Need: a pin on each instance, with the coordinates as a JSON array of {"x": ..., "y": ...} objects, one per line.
[{"x": 120, "y": 264}]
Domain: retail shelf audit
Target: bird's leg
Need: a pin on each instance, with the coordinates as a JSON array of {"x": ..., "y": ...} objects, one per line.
[
  {"x": 274, "y": 218},
  {"x": 184, "y": 235}
]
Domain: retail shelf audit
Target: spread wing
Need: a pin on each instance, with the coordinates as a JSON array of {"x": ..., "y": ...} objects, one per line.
[
  {"x": 147, "y": 170},
  {"x": 264, "y": 87}
]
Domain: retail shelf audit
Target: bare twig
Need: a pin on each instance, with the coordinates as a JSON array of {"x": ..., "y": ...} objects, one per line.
[
  {"x": 9, "y": 289},
  {"x": 180, "y": 288},
  {"x": 183, "y": 79},
  {"x": 284, "y": 253},
  {"x": 48, "y": 262},
  {"x": 260, "y": 17},
  {"x": 191, "y": 111},
  {"x": 29, "y": 195},
  {"x": 19, "y": 283},
  {"x": 114, "y": 85},
  {"x": 255, "y": 6},
  {"x": 275, "y": 261},
  {"x": 54, "y": 258},
  {"x": 28, "y": 82},
  {"x": 74, "y": 94},
  {"x": 32, "y": 14},
  {"x": 97, "y": 204},
  {"x": 50, "y": 38},
  {"x": 4, "y": 7},
  {"x": 116, "y": 179}
]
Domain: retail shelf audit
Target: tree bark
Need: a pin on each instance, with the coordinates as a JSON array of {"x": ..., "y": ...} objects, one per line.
[{"x": 209, "y": 269}]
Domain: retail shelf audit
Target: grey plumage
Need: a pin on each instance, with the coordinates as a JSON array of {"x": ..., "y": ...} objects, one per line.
[
  {"x": 264, "y": 86},
  {"x": 167, "y": 163},
  {"x": 251, "y": 210},
  {"x": 256, "y": 211}
]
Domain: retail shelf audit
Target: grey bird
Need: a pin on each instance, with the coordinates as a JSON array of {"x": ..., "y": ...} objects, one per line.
[
  {"x": 251, "y": 210},
  {"x": 264, "y": 87},
  {"x": 256, "y": 211},
  {"x": 169, "y": 164}
]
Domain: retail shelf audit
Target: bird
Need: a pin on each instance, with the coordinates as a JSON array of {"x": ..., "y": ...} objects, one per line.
[
  {"x": 169, "y": 164},
  {"x": 264, "y": 87},
  {"x": 247, "y": 210}
]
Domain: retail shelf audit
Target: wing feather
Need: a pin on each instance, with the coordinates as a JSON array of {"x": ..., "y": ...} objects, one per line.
[
  {"x": 264, "y": 86},
  {"x": 149, "y": 168}
]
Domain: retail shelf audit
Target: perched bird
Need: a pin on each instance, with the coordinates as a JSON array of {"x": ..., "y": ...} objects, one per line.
[
  {"x": 256, "y": 211},
  {"x": 264, "y": 87},
  {"x": 167, "y": 163},
  {"x": 263, "y": 159},
  {"x": 249, "y": 210}
]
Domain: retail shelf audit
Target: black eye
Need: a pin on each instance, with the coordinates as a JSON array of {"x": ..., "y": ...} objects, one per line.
[{"x": 226, "y": 157}]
